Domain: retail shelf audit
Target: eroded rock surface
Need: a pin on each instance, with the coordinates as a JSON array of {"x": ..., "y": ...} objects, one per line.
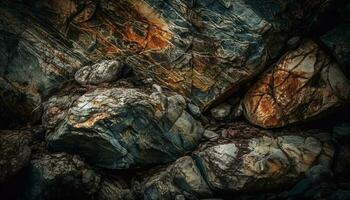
[
  {"x": 248, "y": 160},
  {"x": 303, "y": 84},
  {"x": 122, "y": 128},
  {"x": 15, "y": 152},
  {"x": 203, "y": 50}
]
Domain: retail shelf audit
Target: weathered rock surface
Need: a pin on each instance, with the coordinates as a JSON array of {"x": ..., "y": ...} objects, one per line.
[
  {"x": 14, "y": 152},
  {"x": 122, "y": 128},
  {"x": 249, "y": 160},
  {"x": 180, "y": 178},
  {"x": 60, "y": 176},
  {"x": 304, "y": 83},
  {"x": 202, "y": 50},
  {"x": 102, "y": 72},
  {"x": 260, "y": 163},
  {"x": 35, "y": 61},
  {"x": 338, "y": 41}
]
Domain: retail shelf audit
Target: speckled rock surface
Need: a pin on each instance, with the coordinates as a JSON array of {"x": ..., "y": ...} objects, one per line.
[
  {"x": 60, "y": 176},
  {"x": 303, "y": 84},
  {"x": 123, "y": 128},
  {"x": 14, "y": 152}
]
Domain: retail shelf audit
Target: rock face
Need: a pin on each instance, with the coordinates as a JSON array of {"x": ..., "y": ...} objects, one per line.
[
  {"x": 35, "y": 61},
  {"x": 122, "y": 128},
  {"x": 338, "y": 41},
  {"x": 60, "y": 176},
  {"x": 14, "y": 152},
  {"x": 202, "y": 50},
  {"x": 249, "y": 160},
  {"x": 303, "y": 84},
  {"x": 102, "y": 72}
]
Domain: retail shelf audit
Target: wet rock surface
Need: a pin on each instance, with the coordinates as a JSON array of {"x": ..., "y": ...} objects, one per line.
[
  {"x": 174, "y": 99},
  {"x": 303, "y": 84}
]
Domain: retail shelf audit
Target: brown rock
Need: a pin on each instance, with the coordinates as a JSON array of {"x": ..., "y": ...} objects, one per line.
[{"x": 303, "y": 84}]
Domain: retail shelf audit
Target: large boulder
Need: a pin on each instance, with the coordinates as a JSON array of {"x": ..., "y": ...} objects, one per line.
[
  {"x": 249, "y": 160},
  {"x": 15, "y": 153},
  {"x": 60, "y": 176},
  {"x": 122, "y": 128},
  {"x": 255, "y": 160},
  {"x": 303, "y": 84}
]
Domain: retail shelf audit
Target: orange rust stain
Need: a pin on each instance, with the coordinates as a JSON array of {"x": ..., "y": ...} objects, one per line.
[
  {"x": 271, "y": 121},
  {"x": 274, "y": 167},
  {"x": 265, "y": 106},
  {"x": 92, "y": 120},
  {"x": 267, "y": 112},
  {"x": 154, "y": 38},
  {"x": 290, "y": 87},
  {"x": 201, "y": 82},
  {"x": 156, "y": 33},
  {"x": 279, "y": 77}
]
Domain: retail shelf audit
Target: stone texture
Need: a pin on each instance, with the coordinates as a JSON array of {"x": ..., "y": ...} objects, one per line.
[
  {"x": 303, "y": 84},
  {"x": 60, "y": 176},
  {"x": 203, "y": 50},
  {"x": 251, "y": 160},
  {"x": 182, "y": 178},
  {"x": 35, "y": 61},
  {"x": 338, "y": 41},
  {"x": 221, "y": 112},
  {"x": 114, "y": 190},
  {"x": 102, "y": 72},
  {"x": 122, "y": 128},
  {"x": 259, "y": 162},
  {"x": 14, "y": 153}
]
